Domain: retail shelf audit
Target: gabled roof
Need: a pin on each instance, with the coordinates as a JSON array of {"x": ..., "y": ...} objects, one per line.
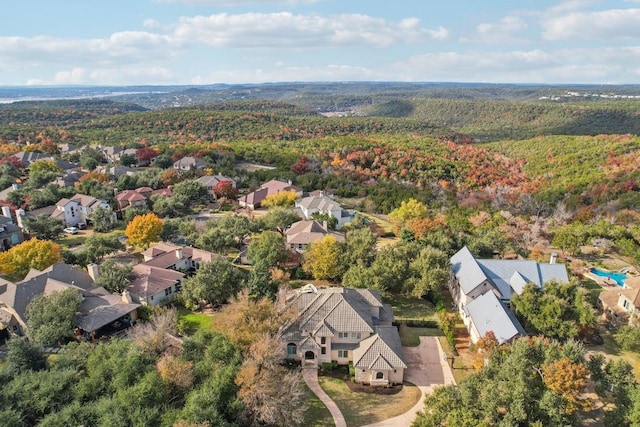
[
  {"x": 331, "y": 310},
  {"x": 255, "y": 197},
  {"x": 320, "y": 203},
  {"x": 212, "y": 180},
  {"x": 381, "y": 351},
  {"x": 101, "y": 308},
  {"x": 489, "y": 314},
  {"x": 151, "y": 280},
  {"x": 189, "y": 162},
  {"x": 308, "y": 231},
  {"x": 275, "y": 186},
  {"x": 506, "y": 276}
]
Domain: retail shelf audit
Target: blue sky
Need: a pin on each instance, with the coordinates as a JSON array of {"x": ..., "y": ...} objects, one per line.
[{"x": 131, "y": 42}]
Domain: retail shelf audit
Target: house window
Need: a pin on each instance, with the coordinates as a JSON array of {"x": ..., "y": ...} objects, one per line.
[
  {"x": 379, "y": 375},
  {"x": 292, "y": 349},
  {"x": 343, "y": 354},
  {"x": 323, "y": 350},
  {"x": 323, "y": 340},
  {"x": 168, "y": 291},
  {"x": 625, "y": 304},
  {"x": 343, "y": 334},
  {"x": 355, "y": 335}
]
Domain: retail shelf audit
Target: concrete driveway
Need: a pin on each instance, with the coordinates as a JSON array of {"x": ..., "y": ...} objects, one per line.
[{"x": 426, "y": 369}]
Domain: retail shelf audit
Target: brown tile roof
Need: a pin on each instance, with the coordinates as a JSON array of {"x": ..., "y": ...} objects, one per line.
[{"x": 151, "y": 280}]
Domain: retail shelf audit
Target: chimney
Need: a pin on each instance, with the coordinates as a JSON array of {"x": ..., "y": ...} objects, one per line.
[
  {"x": 15, "y": 186},
  {"x": 289, "y": 182},
  {"x": 126, "y": 297},
  {"x": 321, "y": 193},
  {"x": 6, "y": 212},
  {"x": 179, "y": 253},
  {"x": 19, "y": 214},
  {"x": 94, "y": 271},
  {"x": 325, "y": 226},
  {"x": 554, "y": 258}
]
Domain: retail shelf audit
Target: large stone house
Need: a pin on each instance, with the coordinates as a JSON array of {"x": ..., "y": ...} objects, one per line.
[
  {"x": 346, "y": 326},
  {"x": 482, "y": 290}
]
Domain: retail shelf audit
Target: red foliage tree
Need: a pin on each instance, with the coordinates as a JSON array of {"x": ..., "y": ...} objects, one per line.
[
  {"x": 225, "y": 190},
  {"x": 302, "y": 166},
  {"x": 145, "y": 154}
]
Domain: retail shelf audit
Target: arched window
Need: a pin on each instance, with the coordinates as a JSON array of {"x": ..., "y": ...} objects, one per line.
[
  {"x": 292, "y": 349},
  {"x": 379, "y": 375}
]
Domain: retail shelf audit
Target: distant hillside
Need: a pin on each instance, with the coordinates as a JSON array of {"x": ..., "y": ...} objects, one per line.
[{"x": 493, "y": 120}]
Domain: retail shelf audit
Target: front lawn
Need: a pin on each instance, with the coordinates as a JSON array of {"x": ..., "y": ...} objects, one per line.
[
  {"x": 191, "y": 322},
  {"x": 361, "y": 408},
  {"x": 317, "y": 414}
]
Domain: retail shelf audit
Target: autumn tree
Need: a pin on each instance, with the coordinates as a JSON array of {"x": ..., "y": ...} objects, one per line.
[
  {"x": 324, "y": 259},
  {"x": 33, "y": 253},
  {"x": 225, "y": 190},
  {"x": 409, "y": 210},
  {"x": 50, "y": 318},
  {"x": 282, "y": 198},
  {"x": 175, "y": 372},
  {"x": 153, "y": 336},
  {"x": 272, "y": 394},
  {"x": 214, "y": 283},
  {"x": 567, "y": 379},
  {"x": 144, "y": 230}
]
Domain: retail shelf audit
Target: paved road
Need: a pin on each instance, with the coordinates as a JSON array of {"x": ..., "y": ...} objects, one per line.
[
  {"x": 310, "y": 376},
  {"x": 426, "y": 369}
]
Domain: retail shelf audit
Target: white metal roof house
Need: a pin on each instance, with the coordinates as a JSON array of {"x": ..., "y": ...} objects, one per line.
[{"x": 473, "y": 278}]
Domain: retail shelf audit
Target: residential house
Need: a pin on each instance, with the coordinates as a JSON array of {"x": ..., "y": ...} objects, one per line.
[
  {"x": 67, "y": 148},
  {"x": 131, "y": 198},
  {"x": 472, "y": 278},
  {"x": 173, "y": 257},
  {"x": 189, "y": 164},
  {"x": 154, "y": 286},
  {"x": 99, "y": 310},
  {"x": 28, "y": 157},
  {"x": 117, "y": 171},
  {"x": 345, "y": 325},
  {"x": 76, "y": 210},
  {"x": 210, "y": 182},
  {"x": 70, "y": 179},
  {"x": 621, "y": 305},
  {"x": 254, "y": 199},
  {"x": 303, "y": 233},
  {"x": 323, "y": 204},
  {"x": 10, "y": 233}
]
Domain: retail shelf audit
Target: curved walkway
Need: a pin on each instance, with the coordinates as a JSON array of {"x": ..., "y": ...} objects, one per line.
[
  {"x": 310, "y": 376},
  {"x": 426, "y": 369}
]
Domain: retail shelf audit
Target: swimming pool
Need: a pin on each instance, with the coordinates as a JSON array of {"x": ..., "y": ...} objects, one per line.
[{"x": 617, "y": 277}]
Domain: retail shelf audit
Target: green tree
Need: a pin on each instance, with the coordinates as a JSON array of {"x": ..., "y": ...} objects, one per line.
[
  {"x": 360, "y": 246},
  {"x": 268, "y": 248},
  {"x": 628, "y": 338},
  {"x": 324, "y": 259},
  {"x": 332, "y": 221},
  {"x": 43, "y": 226},
  {"x": 90, "y": 158},
  {"x": 214, "y": 283},
  {"x": 570, "y": 237},
  {"x": 97, "y": 246},
  {"x": 24, "y": 355},
  {"x": 279, "y": 218},
  {"x": 190, "y": 193},
  {"x": 114, "y": 277},
  {"x": 50, "y": 318},
  {"x": 260, "y": 281},
  {"x": 430, "y": 272},
  {"x": 102, "y": 219}
]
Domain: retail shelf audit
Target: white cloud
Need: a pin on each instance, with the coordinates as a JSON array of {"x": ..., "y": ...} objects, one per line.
[
  {"x": 108, "y": 76},
  {"x": 291, "y": 74},
  {"x": 502, "y": 32},
  {"x": 614, "y": 24},
  {"x": 284, "y": 29}
]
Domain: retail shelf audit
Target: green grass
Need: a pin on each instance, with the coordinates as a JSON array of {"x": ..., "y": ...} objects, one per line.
[
  {"x": 361, "y": 408},
  {"x": 385, "y": 225},
  {"x": 69, "y": 241},
  {"x": 193, "y": 322},
  {"x": 410, "y": 336},
  {"x": 317, "y": 414},
  {"x": 612, "y": 351},
  {"x": 405, "y": 308}
]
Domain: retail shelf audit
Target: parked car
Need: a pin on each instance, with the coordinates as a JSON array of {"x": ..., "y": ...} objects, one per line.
[{"x": 71, "y": 230}]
